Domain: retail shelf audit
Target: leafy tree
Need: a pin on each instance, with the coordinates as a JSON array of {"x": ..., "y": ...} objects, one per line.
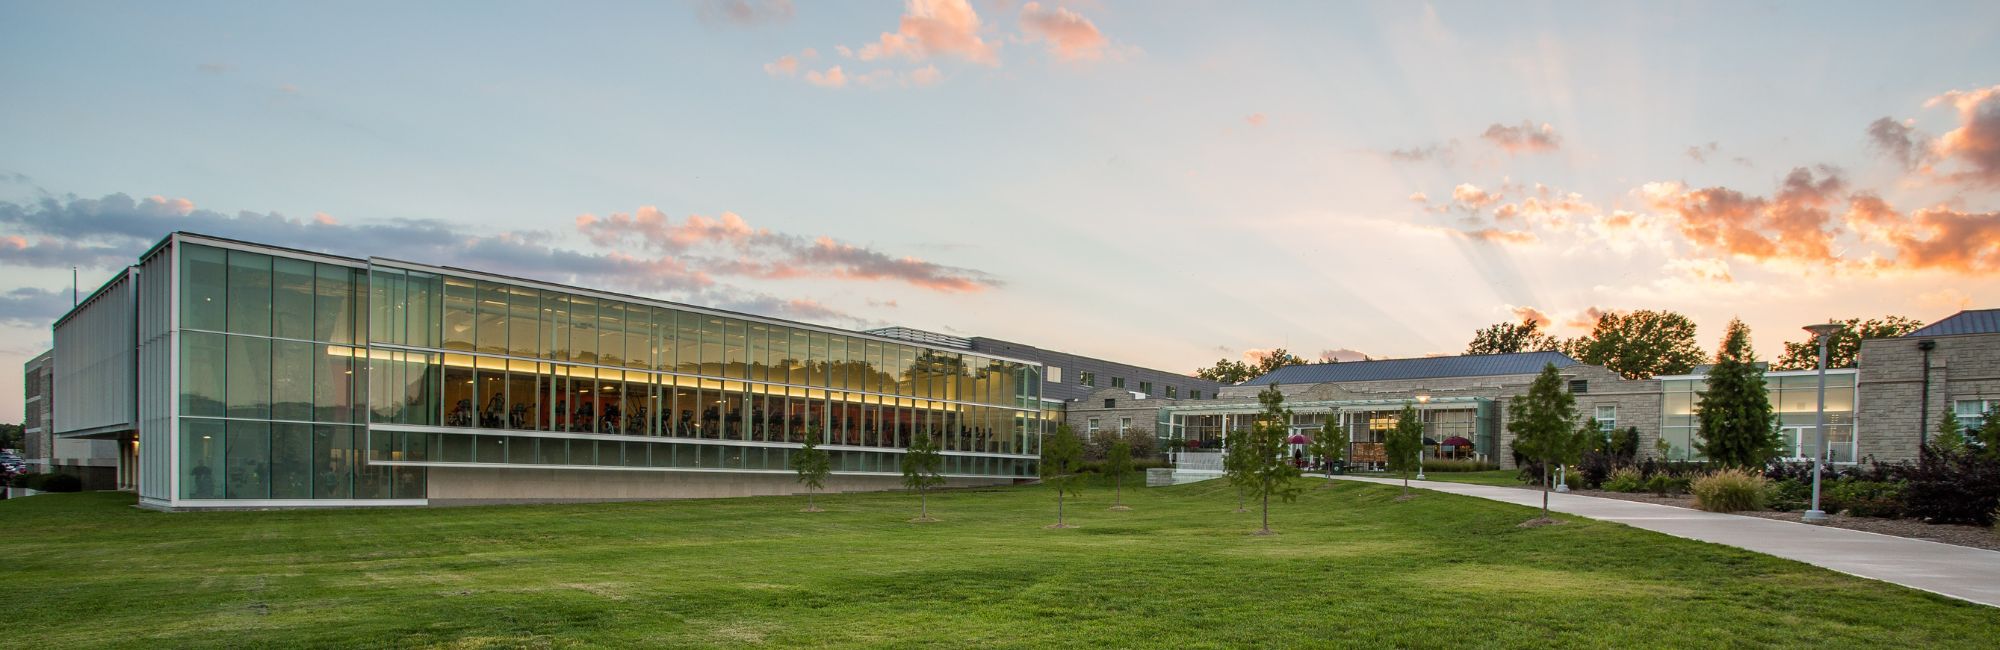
[
  {"x": 12, "y": 436},
  {"x": 1276, "y": 359},
  {"x": 1639, "y": 344},
  {"x": 1506, "y": 338},
  {"x": 813, "y": 466},
  {"x": 1950, "y": 436},
  {"x": 1625, "y": 444},
  {"x": 1544, "y": 426},
  {"x": 1330, "y": 446},
  {"x": 1266, "y": 472},
  {"x": 1226, "y": 371},
  {"x": 922, "y": 470},
  {"x": 1118, "y": 463},
  {"x": 1845, "y": 348},
  {"x": 1594, "y": 439},
  {"x": 1404, "y": 444},
  {"x": 1737, "y": 426},
  {"x": 1062, "y": 457}
]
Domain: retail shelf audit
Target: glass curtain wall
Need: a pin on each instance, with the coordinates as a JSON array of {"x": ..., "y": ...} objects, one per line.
[
  {"x": 464, "y": 353},
  {"x": 1795, "y": 400},
  {"x": 269, "y": 387}
]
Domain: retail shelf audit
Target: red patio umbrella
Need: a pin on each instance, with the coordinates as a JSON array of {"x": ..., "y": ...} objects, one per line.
[
  {"x": 1299, "y": 439},
  {"x": 1457, "y": 441}
]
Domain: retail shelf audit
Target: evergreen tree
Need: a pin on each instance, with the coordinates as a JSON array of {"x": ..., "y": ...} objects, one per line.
[
  {"x": 1330, "y": 446},
  {"x": 1988, "y": 434},
  {"x": 1950, "y": 437},
  {"x": 813, "y": 466},
  {"x": 922, "y": 470},
  {"x": 1737, "y": 426},
  {"x": 1266, "y": 471},
  {"x": 1118, "y": 463},
  {"x": 1544, "y": 426},
  {"x": 1404, "y": 444},
  {"x": 1062, "y": 457}
]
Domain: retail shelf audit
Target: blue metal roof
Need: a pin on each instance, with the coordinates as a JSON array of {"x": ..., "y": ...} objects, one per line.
[
  {"x": 1474, "y": 365},
  {"x": 1970, "y": 321}
]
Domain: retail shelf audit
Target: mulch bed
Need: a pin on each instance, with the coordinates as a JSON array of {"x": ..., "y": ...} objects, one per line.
[{"x": 1955, "y": 534}]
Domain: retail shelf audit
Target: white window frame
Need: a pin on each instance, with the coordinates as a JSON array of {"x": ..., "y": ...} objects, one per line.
[
  {"x": 1605, "y": 424},
  {"x": 1090, "y": 425},
  {"x": 1124, "y": 424},
  {"x": 1054, "y": 375},
  {"x": 1972, "y": 419}
]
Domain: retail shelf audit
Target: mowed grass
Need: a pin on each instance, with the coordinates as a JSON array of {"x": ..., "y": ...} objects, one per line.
[
  {"x": 1500, "y": 477},
  {"x": 1351, "y": 567}
]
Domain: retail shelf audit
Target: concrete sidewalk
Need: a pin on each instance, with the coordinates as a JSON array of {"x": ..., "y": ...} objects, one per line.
[{"x": 1959, "y": 572}]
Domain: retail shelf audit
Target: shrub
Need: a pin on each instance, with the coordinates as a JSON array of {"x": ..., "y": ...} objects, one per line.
[
  {"x": 1786, "y": 495},
  {"x": 1593, "y": 467},
  {"x": 51, "y": 482},
  {"x": 1729, "y": 490},
  {"x": 1666, "y": 485},
  {"x": 1625, "y": 479},
  {"x": 1862, "y": 498},
  {"x": 1953, "y": 487}
]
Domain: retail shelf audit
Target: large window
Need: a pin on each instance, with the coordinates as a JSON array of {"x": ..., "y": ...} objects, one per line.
[
  {"x": 1607, "y": 417},
  {"x": 1972, "y": 412}
]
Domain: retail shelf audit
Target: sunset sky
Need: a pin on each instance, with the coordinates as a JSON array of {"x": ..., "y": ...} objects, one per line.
[{"x": 1159, "y": 183}]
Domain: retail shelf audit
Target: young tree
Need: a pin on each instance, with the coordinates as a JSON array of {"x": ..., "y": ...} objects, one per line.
[
  {"x": 1062, "y": 456},
  {"x": 1330, "y": 446},
  {"x": 1267, "y": 472},
  {"x": 1506, "y": 338},
  {"x": 1625, "y": 444},
  {"x": 1639, "y": 344},
  {"x": 1988, "y": 434},
  {"x": 1118, "y": 463},
  {"x": 1404, "y": 444},
  {"x": 813, "y": 466},
  {"x": 1950, "y": 436},
  {"x": 1737, "y": 426},
  {"x": 1845, "y": 348},
  {"x": 1236, "y": 463},
  {"x": 1544, "y": 426},
  {"x": 922, "y": 470}
]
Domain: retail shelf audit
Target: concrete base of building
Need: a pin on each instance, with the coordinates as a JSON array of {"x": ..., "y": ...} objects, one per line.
[{"x": 498, "y": 485}]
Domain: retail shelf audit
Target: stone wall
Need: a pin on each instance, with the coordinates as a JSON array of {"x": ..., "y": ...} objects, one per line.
[
  {"x": 1889, "y": 417},
  {"x": 1144, "y": 412}
]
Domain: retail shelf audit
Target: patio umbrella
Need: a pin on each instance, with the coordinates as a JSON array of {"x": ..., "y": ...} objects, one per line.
[
  {"x": 1458, "y": 441},
  {"x": 1299, "y": 439},
  {"x": 1428, "y": 441}
]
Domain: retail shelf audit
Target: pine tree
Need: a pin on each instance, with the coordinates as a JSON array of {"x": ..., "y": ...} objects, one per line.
[
  {"x": 1544, "y": 426},
  {"x": 922, "y": 470},
  {"x": 1950, "y": 437},
  {"x": 1737, "y": 426},
  {"x": 1404, "y": 443},
  {"x": 1062, "y": 456}
]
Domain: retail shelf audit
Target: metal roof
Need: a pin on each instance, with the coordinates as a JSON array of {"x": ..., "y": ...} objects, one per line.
[
  {"x": 1970, "y": 321},
  {"x": 1474, "y": 365}
]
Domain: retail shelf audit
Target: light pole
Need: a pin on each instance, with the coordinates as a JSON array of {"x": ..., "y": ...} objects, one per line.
[
  {"x": 1422, "y": 398},
  {"x": 1825, "y": 332}
]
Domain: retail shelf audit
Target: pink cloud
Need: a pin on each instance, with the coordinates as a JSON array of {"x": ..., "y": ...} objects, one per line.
[
  {"x": 926, "y": 75},
  {"x": 1070, "y": 36},
  {"x": 933, "y": 27},
  {"x": 1532, "y": 315},
  {"x": 786, "y": 65},
  {"x": 1256, "y": 119},
  {"x": 1976, "y": 141},
  {"x": 1524, "y": 138},
  {"x": 1471, "y": 198},
  {"x": 833, "y": 77}
]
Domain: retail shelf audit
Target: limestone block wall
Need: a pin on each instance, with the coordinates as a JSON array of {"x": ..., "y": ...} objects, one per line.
[{"x": 1890, "y": 414}]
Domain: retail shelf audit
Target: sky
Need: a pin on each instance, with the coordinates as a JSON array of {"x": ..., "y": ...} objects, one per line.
[{"x": 1158, "y": 183}]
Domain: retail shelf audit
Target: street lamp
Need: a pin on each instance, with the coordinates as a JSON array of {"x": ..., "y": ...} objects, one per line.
[
  {"x": 1422, "y": 398},
  {"x": 1825, "y": 332}
]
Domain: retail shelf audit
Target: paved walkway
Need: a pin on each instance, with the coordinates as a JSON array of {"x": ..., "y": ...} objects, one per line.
[{"x": 1957, "y": 571}]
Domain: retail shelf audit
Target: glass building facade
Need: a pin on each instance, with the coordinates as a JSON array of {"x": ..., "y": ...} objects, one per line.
[
  {"x": 1794, "y": 399},
  {"x": 303, "y": 377}
]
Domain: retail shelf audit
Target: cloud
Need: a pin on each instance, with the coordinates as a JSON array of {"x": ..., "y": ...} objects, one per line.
[
  {"x": 1976, "y": 141},
  {"x": 747, "y": 13},
  {"x": 1342, "y": 355},
  {"x": 734, "y": 247},
  {"x": 1946, "y": 239},
  {"x": 1531, "y": 315},
  {"x": 1470, "y": 198},
  {"x": 1498, "y": 236},
  {"x": 932, "y": 28},
  {"x": 1524, "y": 138},
  {"x": 926, "y": 75},
  {"x": 1900, "y": 142},
  {"x": 1707, "y": 269},
  {"x": 833, "y": 77},
  {"x": 786, "y": 66},
  {"x": 1585, "y": 320},
  {"x": 1791, "y": 226},
  {"x": 32, "y": 307},
  {"x": 1420, "y": 197},
  {"x": 1441, "y": 152},
  {"x": 1701, "y": 153},
  {"x": 1256, "y": 119},
  {"x": 1070, "y": 36}
]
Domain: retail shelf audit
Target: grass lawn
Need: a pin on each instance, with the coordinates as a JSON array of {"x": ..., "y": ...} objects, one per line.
[{"x": 1350, "y": 567}]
